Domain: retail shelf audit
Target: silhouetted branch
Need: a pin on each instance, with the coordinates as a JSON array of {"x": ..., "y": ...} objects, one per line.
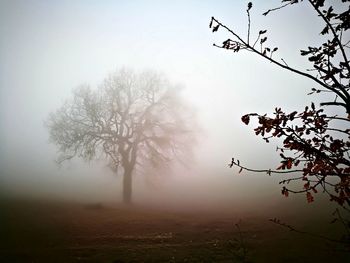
[
  {"x": 267, "y": 171},
  {"x": 245, "y": 45},
  {"x": 276, "y": 8},
  {"x": 248, "y": 13},
  {"x": 308, "y": 137},
  {"x": 334, "y": 34},
  {"x": 291, "y": 228}
]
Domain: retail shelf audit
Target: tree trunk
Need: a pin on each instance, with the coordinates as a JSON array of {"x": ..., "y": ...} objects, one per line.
[
  {"x": 128, "y": 162},
  {"x": 127, "y": 186}
]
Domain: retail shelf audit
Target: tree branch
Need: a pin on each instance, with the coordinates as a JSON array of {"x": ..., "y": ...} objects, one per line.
[{"x": 282, "y": 65}]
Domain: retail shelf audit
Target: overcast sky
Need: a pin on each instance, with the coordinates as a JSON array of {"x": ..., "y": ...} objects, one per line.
[{"x": 47, "y": 48}]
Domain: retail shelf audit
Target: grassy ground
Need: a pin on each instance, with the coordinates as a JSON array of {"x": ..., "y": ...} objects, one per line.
[{"x": 65, "y": 232}]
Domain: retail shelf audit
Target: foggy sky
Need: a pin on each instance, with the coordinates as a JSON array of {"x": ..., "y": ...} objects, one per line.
[{"x": 47, "y": 48}]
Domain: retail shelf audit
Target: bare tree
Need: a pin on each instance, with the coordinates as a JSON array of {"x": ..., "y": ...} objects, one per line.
[
  {"x": 316, "y": 144},
  {"x": 131, "y": 119}
]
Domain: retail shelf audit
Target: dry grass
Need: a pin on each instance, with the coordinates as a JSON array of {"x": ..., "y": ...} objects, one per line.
[{"x": 65, "y": 232}]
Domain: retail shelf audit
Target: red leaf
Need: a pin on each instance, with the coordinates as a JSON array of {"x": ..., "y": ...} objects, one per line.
[
  {"x": 285, "y": 191},
  {"x": 309, "y": 197}
]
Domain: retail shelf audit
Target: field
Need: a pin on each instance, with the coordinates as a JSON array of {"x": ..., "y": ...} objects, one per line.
[{"x": 43, "y": 231}]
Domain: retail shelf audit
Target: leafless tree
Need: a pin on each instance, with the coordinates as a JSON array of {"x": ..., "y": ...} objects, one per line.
[{"x": 131, "y": 119}]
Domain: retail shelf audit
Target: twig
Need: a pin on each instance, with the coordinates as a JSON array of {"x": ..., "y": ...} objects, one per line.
[
  {"x": 276, "y": 8},
  {"x": 285, "y": 63},
  {"x": 344, "y": 98},
  {"x": 249, "y": 7},
  {"x": 268, "y": 171},
  {"x": 291, "y": 228}
]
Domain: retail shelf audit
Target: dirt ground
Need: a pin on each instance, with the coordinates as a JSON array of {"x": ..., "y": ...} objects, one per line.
[{"x": 65, "y": 232}]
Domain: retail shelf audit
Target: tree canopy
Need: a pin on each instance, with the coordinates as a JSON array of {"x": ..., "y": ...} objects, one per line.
[{"x": 132, "y": 119}]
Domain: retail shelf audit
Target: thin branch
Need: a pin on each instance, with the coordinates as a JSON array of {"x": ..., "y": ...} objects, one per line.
[
  {"x": 248, "y": 36},
  {"x": 279, "y": 64},
  {"x": 291, "y": 228},
  {"x": 276, "y": 8},
  {"x": 339, "y": 86},
  {"x": 346, "y": 226},
  {"x": 337, "y": 118},
  {"x": 267, "y": 171},
  {"x": 285, "y": 63},
  {"x": 334, "y": 34},
  {"x": 334, "y": 103},
  {"x": 337, "y": 130}
]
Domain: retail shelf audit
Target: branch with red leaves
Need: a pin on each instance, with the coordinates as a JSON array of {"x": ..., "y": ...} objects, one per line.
[
  {"x": 321, "y": 155},
  {"x": 314, "y": 144}
]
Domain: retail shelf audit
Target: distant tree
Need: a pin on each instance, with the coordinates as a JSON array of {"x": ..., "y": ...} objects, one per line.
[
  {"x": 316, "y": 145},
  {"x": 131, "y": 119}
]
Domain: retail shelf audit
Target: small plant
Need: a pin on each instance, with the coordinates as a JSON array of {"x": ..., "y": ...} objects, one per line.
[{"x": 239, "y": 246}]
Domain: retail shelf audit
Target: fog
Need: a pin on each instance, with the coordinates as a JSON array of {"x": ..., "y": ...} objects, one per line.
[{"x": 47, "y": 48}]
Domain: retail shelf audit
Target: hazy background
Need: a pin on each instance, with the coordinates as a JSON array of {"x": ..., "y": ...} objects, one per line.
[{"x": 47, "y": 48}]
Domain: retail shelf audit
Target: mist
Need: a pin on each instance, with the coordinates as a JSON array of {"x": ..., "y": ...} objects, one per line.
[
  {"x": 56, "y": 56},
  {"x": 49, "y": 48}
]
